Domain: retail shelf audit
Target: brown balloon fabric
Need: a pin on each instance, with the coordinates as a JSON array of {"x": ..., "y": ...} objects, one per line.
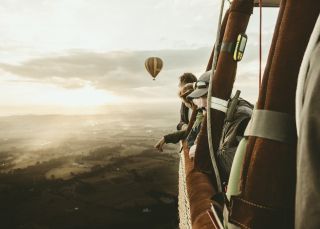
[
  {"x": 199, "y": 188},
  {"x": 200, "y": 191},
  {"x": 202, "y": 160},
  {"x": 222, "y": 30},
  {"x": 263, "y": 88},
  {"x": 224, "y": 77},
  {"x": 269, "y": 174},
  {"x": 202, "y": 187},
  {"x": 235, "y": 23},
  {"x": 153, "y": 66}
]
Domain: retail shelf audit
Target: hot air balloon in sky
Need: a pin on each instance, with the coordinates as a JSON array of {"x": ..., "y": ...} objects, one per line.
[{"x": 153, "y": 66}]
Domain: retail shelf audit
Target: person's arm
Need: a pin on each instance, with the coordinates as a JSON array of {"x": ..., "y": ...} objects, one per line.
[
  {"x": 174, "y": 137},
  {"x": 160, "y": 144}
]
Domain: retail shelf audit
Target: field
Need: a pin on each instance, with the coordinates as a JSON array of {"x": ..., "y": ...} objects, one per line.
[{"x": 87, "y": 172}]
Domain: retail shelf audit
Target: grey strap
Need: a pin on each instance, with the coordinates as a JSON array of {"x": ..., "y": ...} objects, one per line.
[
  {"x": 232, "y": 107},
  {"x": 219, "y": 104},
  {"x": 227, "y": 47},
  {"x": 271, "y": 125}
]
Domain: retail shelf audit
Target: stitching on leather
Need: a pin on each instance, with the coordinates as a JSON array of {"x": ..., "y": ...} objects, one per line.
[
  {"x": 245, "y": 226},
  {"x": 249, "y": 203},
  {"x": 256, "y": 205}
]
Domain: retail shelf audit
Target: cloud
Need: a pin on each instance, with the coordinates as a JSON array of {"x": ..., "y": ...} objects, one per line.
[
  {"x": 123, "y": 73},
  {"x": 118, "y": 72},
  {"x": 106, "y": 25}
]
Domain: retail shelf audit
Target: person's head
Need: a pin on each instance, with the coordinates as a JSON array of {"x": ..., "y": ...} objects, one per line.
[
  {"x": 187, "y": 78},
  {"x": 199, "y": 95},
  {"x": 184, "y": 92}
]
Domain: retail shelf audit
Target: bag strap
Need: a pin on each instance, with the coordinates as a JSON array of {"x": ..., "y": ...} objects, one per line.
[
  {"x": 232, "y": 107},
  {"x": 226, "y": 106},
  {"x": 219, "y": 104},
  {"x": 273, "y": 125},
  {"x": 227, "y": 47}
]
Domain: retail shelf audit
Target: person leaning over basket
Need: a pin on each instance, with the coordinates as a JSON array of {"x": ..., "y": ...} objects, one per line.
[
  {"x": 176, "y": 136},
  {"x": 198, "y": 101}
]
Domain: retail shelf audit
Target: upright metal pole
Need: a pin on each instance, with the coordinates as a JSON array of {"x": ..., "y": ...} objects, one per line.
[{"x": 214, "y": 63}]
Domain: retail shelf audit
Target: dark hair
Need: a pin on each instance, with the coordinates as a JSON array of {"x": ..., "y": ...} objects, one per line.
[{"x": 187, "y": 78}]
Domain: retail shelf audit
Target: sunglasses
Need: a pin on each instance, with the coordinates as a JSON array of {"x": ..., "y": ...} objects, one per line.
[{"x": 200, "y": 84}]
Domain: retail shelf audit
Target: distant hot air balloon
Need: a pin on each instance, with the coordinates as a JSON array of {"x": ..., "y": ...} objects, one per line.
[{"x": 153, "y": 66}]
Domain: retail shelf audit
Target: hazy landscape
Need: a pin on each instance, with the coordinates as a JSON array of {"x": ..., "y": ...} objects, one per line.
[{"x": 89, "y": 171}]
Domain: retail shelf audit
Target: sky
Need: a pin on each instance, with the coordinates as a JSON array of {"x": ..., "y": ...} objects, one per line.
[{"x": 81, "y": 56}]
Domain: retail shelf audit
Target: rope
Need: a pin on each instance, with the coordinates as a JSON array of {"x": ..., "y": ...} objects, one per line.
[
  {"x": 260, "y": 43},
  {"x": 214, "y": 63}
]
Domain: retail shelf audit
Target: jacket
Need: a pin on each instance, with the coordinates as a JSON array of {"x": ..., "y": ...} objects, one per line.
[
  {"x": 184, "y": 116},
  {"x": 190, "y": 135}
]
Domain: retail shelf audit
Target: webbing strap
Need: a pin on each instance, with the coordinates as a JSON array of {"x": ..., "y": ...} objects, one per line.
[
  {"x": 227, "y": 47},
  {"x": 219, "y": 104},
  {"x": 215, "y": 218},
  {"x": 271, "y": 125}
]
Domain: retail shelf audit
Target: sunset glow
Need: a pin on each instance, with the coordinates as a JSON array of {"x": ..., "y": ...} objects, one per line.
[
  {"x": 80, "y": 55},
  {"x": 82, "y": 97}
]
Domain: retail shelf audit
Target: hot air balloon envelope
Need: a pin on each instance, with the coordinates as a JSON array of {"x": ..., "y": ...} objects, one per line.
[{"x": 153, "y": 66}]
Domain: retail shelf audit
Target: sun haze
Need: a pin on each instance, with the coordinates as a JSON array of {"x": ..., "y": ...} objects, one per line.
[{"x": 70, "y": 54}]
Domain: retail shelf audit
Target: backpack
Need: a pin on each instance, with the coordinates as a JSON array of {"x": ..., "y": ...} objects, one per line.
[{"x": 233, "y": 129}]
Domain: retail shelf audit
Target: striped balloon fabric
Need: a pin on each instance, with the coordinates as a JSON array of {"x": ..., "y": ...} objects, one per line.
[{"x": 153, "y": 66}]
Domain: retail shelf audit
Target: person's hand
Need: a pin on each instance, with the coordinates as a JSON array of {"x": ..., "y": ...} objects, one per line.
[
  {"x": 160, "y": 144},
  {"x": 184, "y": 127},
  {"x": 192, "y": 151}
]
